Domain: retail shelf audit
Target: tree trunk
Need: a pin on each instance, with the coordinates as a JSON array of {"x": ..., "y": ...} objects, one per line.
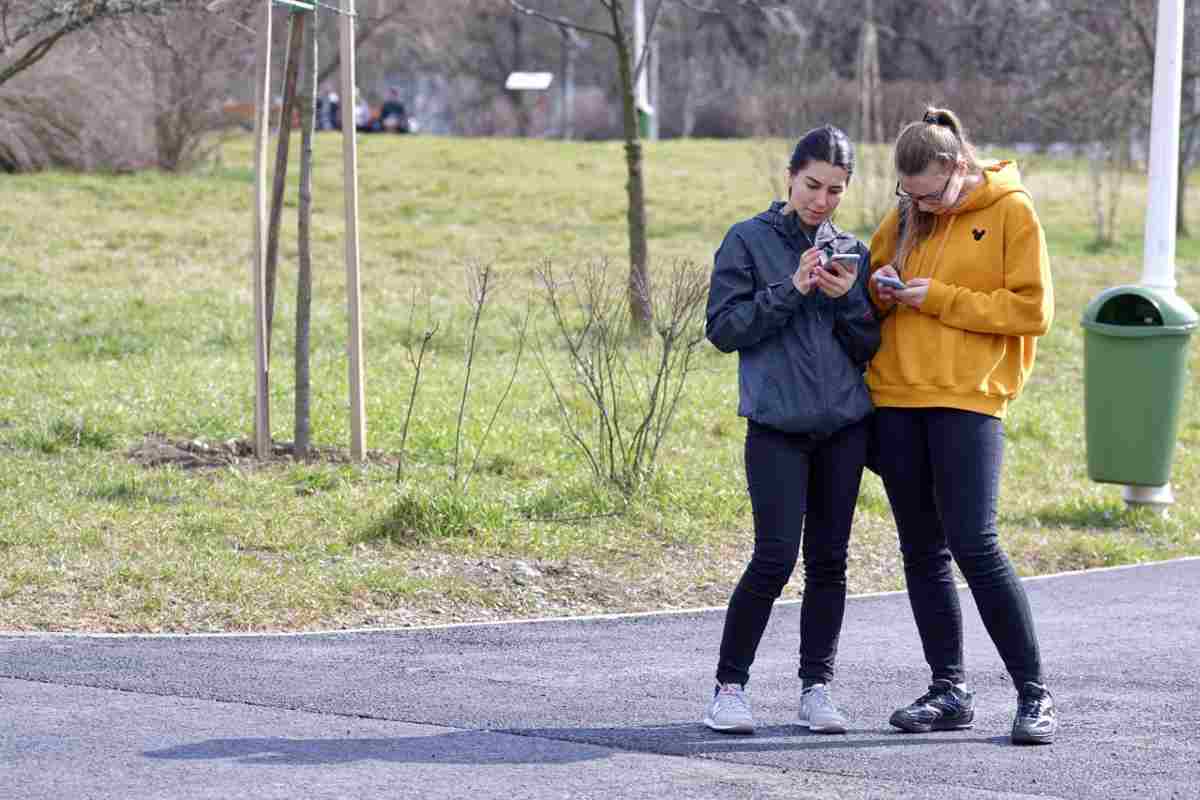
[
  {"x": 687, "y": 122},
  {"x": 291, "y": 74},
  {"x": 567, "y": 108},
  {"x": 308, "y": 122},
  {"x": 641, "y": 312},
  {"x": 1185, "y": 158}
]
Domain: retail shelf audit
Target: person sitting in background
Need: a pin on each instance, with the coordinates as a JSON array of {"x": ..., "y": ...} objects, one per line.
[
  {"x": 328, "y": 116},
  {"x": 393, "y": 115},
  {"x": 362, "y": 114}
]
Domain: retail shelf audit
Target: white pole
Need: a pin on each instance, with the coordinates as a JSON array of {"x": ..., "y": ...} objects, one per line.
[
  {"x": 641, "y": 86},
  {"x": 1158, "y": 257},
  {"x": 262, "y": 131},
  {"x": 350, "y": 189}
]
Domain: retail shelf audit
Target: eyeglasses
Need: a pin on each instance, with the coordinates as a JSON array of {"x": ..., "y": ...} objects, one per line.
[{"x": 931, "y": 198}]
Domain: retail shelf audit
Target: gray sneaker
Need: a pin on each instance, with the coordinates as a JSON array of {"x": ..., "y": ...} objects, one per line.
[
  {"x": 818, "y": 713},
  {"x": 729, "y": 712}
]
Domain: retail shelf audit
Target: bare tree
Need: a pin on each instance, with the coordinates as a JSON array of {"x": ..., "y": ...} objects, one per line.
[
  {"x": 30, "y": 29},
  {"x": 307, "y": 96},
  {"x": 1092, "y": 78},
  {"x": 188, "y": 57},
  {"x": 629, "y": 64}
]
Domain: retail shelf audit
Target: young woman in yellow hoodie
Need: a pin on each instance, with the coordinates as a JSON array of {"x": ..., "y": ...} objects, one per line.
[{"x": 961, "y": 274}]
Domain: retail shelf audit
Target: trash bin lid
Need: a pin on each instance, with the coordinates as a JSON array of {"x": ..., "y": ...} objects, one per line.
[{"x": 1137, "y": 311}]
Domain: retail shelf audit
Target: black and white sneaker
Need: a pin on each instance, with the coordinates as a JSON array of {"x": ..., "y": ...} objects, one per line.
[
  {"x": 1036, "y": 720},
  {"x": 945, "y": 707}
]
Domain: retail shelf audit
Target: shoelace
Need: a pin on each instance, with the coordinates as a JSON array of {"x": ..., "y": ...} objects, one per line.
[
  {"x": 732, "y": 697},
  {"x": 933, "y": 693},
  {"x": 820, "y": 699},
  {"x": 1032, "y": 705}
]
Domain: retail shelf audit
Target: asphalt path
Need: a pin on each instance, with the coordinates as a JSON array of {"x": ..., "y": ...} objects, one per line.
[{"x": 605, "y": 708}]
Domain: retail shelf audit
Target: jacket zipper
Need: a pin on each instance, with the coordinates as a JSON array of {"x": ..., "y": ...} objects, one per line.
[{"x": 820, "y": 370}]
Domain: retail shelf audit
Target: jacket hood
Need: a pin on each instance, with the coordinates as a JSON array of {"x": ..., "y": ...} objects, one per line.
[{"x": 1000, "y": 179}]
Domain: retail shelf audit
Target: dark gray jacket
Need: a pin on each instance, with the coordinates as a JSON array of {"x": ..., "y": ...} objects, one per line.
[{"x": 800, "y": 357}]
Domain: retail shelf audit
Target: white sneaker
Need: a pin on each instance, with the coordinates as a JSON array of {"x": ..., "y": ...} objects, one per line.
[
  {"x": 729, "y": 711},
  {"x": 818, "y": 713}
]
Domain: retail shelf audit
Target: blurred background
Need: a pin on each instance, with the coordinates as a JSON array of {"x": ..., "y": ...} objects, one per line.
[{"x": 102, "y": 84}]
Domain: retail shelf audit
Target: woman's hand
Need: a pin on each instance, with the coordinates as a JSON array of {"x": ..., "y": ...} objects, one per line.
[
  {"x": 914, "y": 295},
  {"x": 886, "y": 294},
  {"x": 805, "y": 276},
  {"x": 837, "y": 277}
]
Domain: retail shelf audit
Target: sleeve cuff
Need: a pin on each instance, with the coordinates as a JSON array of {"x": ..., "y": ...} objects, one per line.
[{"x": 935, "y": 298}]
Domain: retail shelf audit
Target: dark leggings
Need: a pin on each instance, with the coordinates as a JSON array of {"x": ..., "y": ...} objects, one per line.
[
  {"x": 941, "y": 468},
  {"x": 800, "y": 489}
]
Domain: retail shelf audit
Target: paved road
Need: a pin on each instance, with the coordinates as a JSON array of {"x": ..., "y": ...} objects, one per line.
[{"x": 604, "y": 708}]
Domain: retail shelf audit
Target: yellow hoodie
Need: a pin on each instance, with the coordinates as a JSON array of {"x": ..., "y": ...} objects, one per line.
[{"x": 971, "y": 344}]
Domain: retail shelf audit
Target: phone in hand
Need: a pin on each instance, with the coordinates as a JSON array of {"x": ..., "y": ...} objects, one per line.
[
  {"x": 838, "y": 261},
  {"x": 889, "y": 281}
]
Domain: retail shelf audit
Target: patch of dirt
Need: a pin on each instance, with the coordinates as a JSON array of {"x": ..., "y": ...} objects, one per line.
[{"x": 158, "y": 450}]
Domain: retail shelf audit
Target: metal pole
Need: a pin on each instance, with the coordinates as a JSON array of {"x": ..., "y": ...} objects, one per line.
[
  {"x": 1158, "y": 256},
  {"x": 350, "y": 188},
  {"x": 655, "y": 86},
  {"x": 641, "y": 83},
  {"x": 640, "y": 90},
  {"x": 262, "y": 131}
]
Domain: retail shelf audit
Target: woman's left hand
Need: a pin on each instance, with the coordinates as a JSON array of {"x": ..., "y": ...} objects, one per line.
[{"x": 914, "y": 295}]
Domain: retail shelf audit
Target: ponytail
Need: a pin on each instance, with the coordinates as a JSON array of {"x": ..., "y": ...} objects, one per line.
[{"x": 939, "y": 137}]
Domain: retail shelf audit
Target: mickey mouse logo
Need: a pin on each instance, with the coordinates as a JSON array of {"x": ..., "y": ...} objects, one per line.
[{"x": 977, "y": 233}]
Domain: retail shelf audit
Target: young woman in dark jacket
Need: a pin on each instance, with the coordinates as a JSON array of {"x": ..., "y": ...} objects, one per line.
[{"x": 788, "y": 294}]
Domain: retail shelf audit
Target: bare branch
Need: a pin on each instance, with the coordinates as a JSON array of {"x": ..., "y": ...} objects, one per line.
[{"x": 562, "y": 22}]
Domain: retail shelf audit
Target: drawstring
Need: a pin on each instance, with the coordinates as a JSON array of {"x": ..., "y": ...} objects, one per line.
[{"x": 946, "y": 238}]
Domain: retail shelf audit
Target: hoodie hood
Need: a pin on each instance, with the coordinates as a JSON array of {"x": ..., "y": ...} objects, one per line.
[{"x": 1000, "y": 179}]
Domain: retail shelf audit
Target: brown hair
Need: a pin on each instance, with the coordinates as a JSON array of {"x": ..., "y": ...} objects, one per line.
[{"x": 937, "y": 137}]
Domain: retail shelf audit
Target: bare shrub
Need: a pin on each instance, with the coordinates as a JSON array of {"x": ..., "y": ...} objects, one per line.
[
  {"x": 596, "y": 116},
  {"x": 621, "y": 389},
  {"x": 37, "y": 132},
  {"x": 188, "y": 61},
  {"x": 159, "y": 102},
  {"x": 481, "y": 285},
  {"x": 57, "y": 115},
  {"x": 1109, "y": 164}
]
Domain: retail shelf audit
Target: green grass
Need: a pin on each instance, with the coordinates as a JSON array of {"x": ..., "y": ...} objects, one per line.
[{"x": 125, "y": 311}]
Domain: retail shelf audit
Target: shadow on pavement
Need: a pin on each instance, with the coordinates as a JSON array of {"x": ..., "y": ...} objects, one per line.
[
  {"x": 468, "y": 747},
  {"x": 693, "y": 739}
]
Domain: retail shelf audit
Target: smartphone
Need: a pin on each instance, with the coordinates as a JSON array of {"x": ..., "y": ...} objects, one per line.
[
  {"x": 838, "y": 261},
  {"x": 888, "y": 280}
]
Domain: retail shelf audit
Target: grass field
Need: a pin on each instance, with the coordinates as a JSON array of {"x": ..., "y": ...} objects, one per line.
[{"x": 125, "y": 313}]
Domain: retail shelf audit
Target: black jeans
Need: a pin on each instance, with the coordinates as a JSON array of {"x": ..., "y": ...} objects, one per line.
[
  {"x": 801, "y": 489},
  {"x": 941, "y": 468}
]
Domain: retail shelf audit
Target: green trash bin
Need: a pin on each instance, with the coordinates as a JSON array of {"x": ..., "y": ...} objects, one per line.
[
  {"x": 1134, "y": 370},
  {"x": 645, "y": 118}
]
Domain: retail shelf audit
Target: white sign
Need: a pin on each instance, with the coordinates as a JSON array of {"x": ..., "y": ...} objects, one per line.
[{"x": 534, "y": 81}]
